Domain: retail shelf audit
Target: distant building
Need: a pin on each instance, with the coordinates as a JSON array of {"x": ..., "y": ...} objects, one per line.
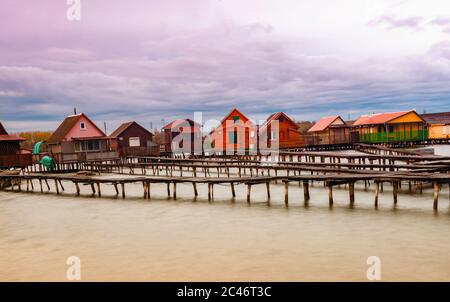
[
  {"x": 391, "y": 127},
  {"x": 329, "y": 131},
  {"x": 287, "y": 134},
  {"x": 181, "y": 136},
  {"x": 78, "y": 139},
  {"x": 438, "y": 125},
  {"x": 11, "y": 155},
  {"x": 234, "y": 133},
  {"x": 135, "y": 140}
]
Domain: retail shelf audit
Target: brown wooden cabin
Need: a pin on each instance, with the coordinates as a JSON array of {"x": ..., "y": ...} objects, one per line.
[
  {"x": 189, "y": 142},
  {"x": 78, "y": 139},
  {"x": 11, "y": 155},
  {"x": 287, "y": 135},
  {"x": 331, "y": 130},
  {"x": 135, "y": 140}
]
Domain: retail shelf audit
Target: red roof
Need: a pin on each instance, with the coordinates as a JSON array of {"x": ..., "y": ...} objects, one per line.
[
  {"x": 276, "y": 116},
  {"x": 324, "y": 123},
  {"x": 379, "y": 118},
  {"x": 67, "y": 125},
  {"x": 182, "y": 123},
  {"x": 4, "y": 136},
  {"x": 10, "y": 137}
]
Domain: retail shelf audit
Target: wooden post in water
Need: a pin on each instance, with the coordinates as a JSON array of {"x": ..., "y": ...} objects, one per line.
[
  {"x": 268, "y": 189},
  {"x": 351, "y": 188},
  {"x": 175, "y": 190},
  {"x": 330, "y": 195},
  {"x": 209, "y": 192},
  {"x": 249, "y": 189},
  {"x": 233, "y": 192},
  {"x": 93, "y": 188},
  {"x": 286, "y": 193},
  {"x": 98, "y": 189},
  {"x": 436, "y": 195},
  {"x": 195, "y": 189},
  {"x": 123, "y": 189},
  {"x": 56, "y": 186},
  {"x": 395, "y": 191},
  {"x": 306, "y": 190},
  {"x": 377, "y": 192},
  {"x": 168, "y": 189}
]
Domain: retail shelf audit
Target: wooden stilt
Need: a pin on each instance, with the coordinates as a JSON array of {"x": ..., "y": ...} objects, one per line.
[
  {"x": 77, "y": 187},
  {"x": 330, "y": 195},
  {"x": 436, "y": 195},
  {"x": 249, "y": 188},
  {"x": 195, "y": 189},
  {"x": 377, "y": 192},
  {"x": 233, "y": 192},
  {"x": 351, "y": 188},
  {"x": 174, "y": 190},
  {"x": 286, "y": 193},
  {"x": 306, "y": 190}
]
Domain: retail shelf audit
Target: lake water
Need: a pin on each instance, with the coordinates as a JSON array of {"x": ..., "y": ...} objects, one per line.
[{"x": 226, "y": 240}]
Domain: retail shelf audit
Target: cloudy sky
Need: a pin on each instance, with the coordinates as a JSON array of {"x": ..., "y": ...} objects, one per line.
[{"x": 153, "y": 61}]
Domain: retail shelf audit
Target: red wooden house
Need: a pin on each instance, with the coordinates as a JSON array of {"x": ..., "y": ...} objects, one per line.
[
  {"x": 235, "y": 133},
  {"x": 78, "y": 139},
  {"x": 11, "y": 155},
  {"x": 182, "y": 136},
  {"x": 282, "y": 130},
  {"x": 135, "y": 140}
]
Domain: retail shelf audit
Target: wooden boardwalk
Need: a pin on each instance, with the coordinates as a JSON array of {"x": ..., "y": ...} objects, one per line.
[
  {"x": 376, "y": 165},
  {"x": 15, "y": 183}
]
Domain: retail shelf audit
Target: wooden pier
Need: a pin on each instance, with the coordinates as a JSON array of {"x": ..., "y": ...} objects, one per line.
[{"x": 376, "y": 167}]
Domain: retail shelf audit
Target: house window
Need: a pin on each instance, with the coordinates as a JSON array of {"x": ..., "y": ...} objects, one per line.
[
  {"x": 273, "y": 135},
  {"x": 391, "y": 128},
  {"x": 87, "y": 146},
  {"x": 82, "y": 126},
  {"x": 252, "y": 134},
  {"x": 235, "y": 118},
  {"x": 232, "y": 137},
  {"x": 134, "y": 142}
]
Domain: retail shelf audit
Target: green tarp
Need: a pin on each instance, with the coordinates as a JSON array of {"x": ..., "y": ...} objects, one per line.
[{"x": 36, "y": 148}]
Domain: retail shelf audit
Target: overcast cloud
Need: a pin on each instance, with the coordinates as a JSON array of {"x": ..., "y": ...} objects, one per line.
[{"x": 153, "y": 61}]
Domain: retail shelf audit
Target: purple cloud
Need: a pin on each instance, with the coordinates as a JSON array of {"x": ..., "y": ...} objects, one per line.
[
  {"x": 161, "y": 60},
  {"x": 394, "y": 22}
]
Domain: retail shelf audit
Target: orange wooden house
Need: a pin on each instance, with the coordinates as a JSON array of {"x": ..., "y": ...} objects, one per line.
[
  {"x": 330, "y": 130},
  {"x": 391, "y": 127},
  {"x": 235, "y": 133},
  {"x": 285, "y": 133}
]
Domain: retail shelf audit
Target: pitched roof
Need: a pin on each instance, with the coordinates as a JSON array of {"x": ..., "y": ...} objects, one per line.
[
  {"x": 10, "y": 137},
  {"x": 64, "y": 128},
  {"x": 437, "y": 118},
  {"x": 324, "y": 123},
  {"x": 379, "y": 118},
  {"x": 121, "y": 129},
  {"x": 4, "y": 136},
  {"x": 2, "y": 129},
  {"x": 276, "y": 116},
  {"x": 177, "y": 122}
]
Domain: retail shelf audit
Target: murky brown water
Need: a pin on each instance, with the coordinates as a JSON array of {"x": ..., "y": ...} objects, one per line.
[{"x": 188, "y": 239}]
